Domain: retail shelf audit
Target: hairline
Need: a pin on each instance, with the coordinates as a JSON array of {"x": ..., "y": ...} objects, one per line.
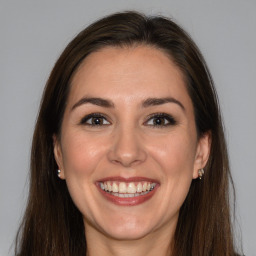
[{"x": 127, "y": 45}]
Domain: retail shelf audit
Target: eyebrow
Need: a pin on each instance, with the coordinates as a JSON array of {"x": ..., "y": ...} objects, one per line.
[
  {"x": 95, "y": 101},
  {"x": 160, "y": 101},
  {"x": 109, "y": 104}
]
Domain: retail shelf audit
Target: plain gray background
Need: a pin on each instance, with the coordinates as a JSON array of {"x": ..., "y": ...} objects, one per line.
[{"x": 33, "y": 34}]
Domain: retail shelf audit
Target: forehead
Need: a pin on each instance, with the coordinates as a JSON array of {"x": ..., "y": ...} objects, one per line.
[{"x": 128, "y": 73}]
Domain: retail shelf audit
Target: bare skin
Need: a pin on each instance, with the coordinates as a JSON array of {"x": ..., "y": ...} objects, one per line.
[
  {"x": 152, "y": 244},
  {"x": 140, "y": 125}
]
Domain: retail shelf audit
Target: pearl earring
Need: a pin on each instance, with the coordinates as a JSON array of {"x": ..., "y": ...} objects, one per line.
[
  {"x": 201, "y": 173},
  {"x": 59, "y": 171}
]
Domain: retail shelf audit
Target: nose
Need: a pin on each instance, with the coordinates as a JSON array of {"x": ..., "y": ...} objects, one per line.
[{"x": 127, "y": 148}]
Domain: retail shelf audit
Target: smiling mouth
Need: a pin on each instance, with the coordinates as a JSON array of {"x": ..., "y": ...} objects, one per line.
[{"x": 127, "y": 192}]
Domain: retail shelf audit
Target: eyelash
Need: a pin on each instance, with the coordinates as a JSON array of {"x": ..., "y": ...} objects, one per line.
[
  {"x": 91, "y": 116},
  {"x": 168, "y": 120}
]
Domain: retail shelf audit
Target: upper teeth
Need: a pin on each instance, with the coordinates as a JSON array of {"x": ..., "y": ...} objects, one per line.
[{"x": 123, "y": 187}]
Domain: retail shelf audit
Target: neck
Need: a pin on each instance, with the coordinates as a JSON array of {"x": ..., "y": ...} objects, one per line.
[{"x": 156, "y": 243}]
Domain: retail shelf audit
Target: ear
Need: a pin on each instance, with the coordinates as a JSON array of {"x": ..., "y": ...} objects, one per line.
[
  {"x": 202, "y": 153},
  {"x": 58, "y": 156}
]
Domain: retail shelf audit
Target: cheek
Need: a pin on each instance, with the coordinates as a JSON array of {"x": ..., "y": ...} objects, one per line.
[
  {"x": 175, "y": 154},
  {"x": 178, "y": 169},
  {"x": 81, "y": 155},
  {"x": 175, "y": 157},
  {"x": 81, "y": 158}
]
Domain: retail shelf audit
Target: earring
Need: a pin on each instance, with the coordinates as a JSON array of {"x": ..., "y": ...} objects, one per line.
[
  {"x": 59, "y": 171},
  {"x": 201, "y": 173}
]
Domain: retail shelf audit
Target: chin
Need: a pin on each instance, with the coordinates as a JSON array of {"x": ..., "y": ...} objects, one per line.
[
  {"x": 127, "y": 233},
  {"x": 127, "y": 228}
]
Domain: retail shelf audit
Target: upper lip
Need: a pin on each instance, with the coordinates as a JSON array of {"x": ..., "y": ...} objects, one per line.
[{"x": 127, "y": 180}]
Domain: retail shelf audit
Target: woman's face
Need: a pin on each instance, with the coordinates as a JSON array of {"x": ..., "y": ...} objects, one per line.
[{"x": 128, "y": 148}]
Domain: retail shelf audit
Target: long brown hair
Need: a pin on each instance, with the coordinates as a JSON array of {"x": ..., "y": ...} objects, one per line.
[{"x": 52, "y": 224}]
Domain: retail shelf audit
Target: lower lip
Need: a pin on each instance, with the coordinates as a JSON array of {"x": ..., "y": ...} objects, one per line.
[{"x": 128, "y": 201}]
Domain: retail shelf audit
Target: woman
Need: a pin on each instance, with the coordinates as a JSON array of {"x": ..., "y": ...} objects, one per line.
[{"x": 128, "y": 154}]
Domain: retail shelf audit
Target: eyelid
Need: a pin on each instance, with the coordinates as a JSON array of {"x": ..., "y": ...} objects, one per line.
[
  {"x": 92, "y": 115},
  {"x": 170, "y": 118}
]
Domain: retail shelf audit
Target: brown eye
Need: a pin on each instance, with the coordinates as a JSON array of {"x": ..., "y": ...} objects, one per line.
[
  {"x": 95, "y": 120},
  {"x": 161, "y": 120}
]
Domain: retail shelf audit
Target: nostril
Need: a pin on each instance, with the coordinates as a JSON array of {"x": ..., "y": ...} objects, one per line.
[
  {"x": 127, "y": 148},
  {"x": 127, "y": 159}
]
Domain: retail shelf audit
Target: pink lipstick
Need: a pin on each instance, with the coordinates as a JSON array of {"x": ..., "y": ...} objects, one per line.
[{"x": 127, "y": 191}]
